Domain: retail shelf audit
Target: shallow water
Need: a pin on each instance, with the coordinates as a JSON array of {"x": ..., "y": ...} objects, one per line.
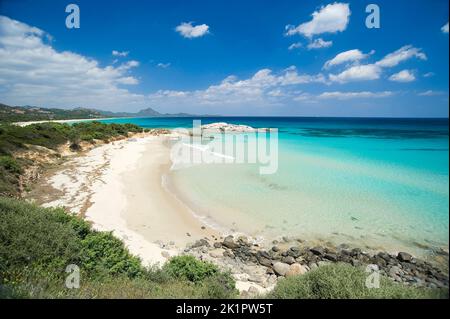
[{"x": 382, "y": 183}]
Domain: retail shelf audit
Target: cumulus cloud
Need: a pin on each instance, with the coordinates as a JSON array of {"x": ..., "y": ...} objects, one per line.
[
  {"x": 120, "y": 53},
  {"x": 32, "y": 72},
  {"x": 345, "y": 57},
  {"x": 373, "y": 71},
  {"x": 354, "y": 95},
  {"x": 187, "y": 30},
  {"x": 259, "y": 88},
  {"x": 444, "y": 28},
  {"x": 319, "y": 44},
  {"x": 357, "y": 73},
  {"x": 329, "y": 19},
  {"x": 403, "y": 76},
  {"x": 404, "y": 53}
]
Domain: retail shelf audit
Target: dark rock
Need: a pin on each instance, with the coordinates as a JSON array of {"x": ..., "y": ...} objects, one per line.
[
  {"x": 384, "y": 256},
  {"x": 331, "y": 257},
  {"x": 317, "y": 250},
  {"x": 217, "y": 245},
  {"x": 263, "y": 258},
  {"x": 264, "y": 254},
  {"x": 294, "y": 252},
  {"x": 200, "y": 243},
  {"x": 229, "y": 242},
  {"x": 356, "y": 251},
  {"x": 275, "y": 249},
  {"x": 405, "y": 257},
  {"x": 288, "y": 260},
  {"x": 228, "y": 253},
  {"x": 377, "y": 260},
  {"x": 243, "y": 241}
]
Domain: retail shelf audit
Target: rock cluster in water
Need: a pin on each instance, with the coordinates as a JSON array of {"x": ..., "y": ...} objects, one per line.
[
  {"x": 250, "y": 262},
  {"x": 222, "y": 127}
]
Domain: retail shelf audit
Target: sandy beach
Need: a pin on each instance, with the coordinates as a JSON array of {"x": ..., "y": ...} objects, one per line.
[
  {"x": 117, "y": 187},
  {"x": 62, "y": 121}
]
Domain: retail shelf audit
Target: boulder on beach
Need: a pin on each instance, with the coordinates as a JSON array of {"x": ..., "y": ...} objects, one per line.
[
  {"x": 296, "y": 269},
  {"x": 281, "y": 268},
  {"x": 405, "y": 257},
  {"x": 230, "y": 243}
]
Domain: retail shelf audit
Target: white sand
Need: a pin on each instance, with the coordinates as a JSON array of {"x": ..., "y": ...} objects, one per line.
[{"x": 60, "y": 121}]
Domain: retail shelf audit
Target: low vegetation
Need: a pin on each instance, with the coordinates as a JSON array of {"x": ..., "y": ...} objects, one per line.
[
  {"x": 14, "y": 138},
  {"x": 342, "y": 281},
  {"x": 9, "y": 114},
  {"x": 37, "y": 244}
]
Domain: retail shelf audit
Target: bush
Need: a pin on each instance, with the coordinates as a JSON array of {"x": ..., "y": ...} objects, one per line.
[
  {"x": 36, "y": 244},
  {"x": 219, "y": 286},
  {"x": 190, "y": 268},
  {"x": 105, "y": 254},
  {"x": 342, "y": 281},
  {"x": 10, "y": 165},
  {"x": 31, "y": 235}
]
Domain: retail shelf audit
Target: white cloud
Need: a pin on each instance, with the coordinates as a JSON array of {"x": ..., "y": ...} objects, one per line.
[
  {"x": 404, "y": 53},
  {"x": 354, "y": 95},
  {"x": 187, "y": 30},
  {"x": 444, "y": 28},
  {"x": 319, "y": 43},
  {"x": 428, "y": 75},
  {"x": 32, "y": 72},
  {"x": 261, "y": 89},
  {"x": 373, "y": 71},
  {"x": 346, "y": 56},
  {"x": 120, "y": 53},
  {"x": 329, "y": 19},
  {"x": 430, "y": 93},
  {"x": 357, "y": 73},
  {"x": 163, "y": 65},
  {"x": 403, "y": 76},
  {"x": 295, "y": 45}
]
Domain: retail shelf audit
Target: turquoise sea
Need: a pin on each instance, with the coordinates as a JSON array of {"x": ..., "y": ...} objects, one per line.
[{"x": 378, "y": 183}]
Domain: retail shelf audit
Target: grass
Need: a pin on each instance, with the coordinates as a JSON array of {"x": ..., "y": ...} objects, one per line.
[{"x": 342, "y": 281}]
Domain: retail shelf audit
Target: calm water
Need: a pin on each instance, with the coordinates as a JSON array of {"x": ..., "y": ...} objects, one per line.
[{"x": 381, "y": 183}]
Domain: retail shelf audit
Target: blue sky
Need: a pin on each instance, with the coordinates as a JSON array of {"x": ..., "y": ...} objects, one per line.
[{"x": 229, "y": 57}]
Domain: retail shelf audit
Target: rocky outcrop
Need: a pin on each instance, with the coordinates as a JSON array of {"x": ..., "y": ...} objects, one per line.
[{"x": 251, "y": 263}]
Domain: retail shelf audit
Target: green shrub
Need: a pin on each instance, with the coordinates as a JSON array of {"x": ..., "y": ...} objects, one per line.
[
  {"x": 10, "y": 165},
  {"x": 31, "y": 235},
  {"x": 342, "y": 281},
  {"x": 36, "y": 245},
  {"x": 103, "y": 253},
  {"x": 190, "y": 268},
  {"x": 219, "y": 286}
]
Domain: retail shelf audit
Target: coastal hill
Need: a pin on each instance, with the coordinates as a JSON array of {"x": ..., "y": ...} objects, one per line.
[{"x": 35, "y": 113}]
